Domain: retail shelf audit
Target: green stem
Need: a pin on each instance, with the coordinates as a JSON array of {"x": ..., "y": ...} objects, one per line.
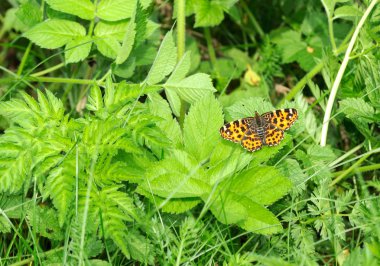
[
  {"x": 181, "y": 28},
  {"x": 181, "y": 47},
  {"x": 299, "y": 86},
  {"x": 361, "y": 169},
  {"x": 211, "y": 50},
  {"x": 253, "y": 20},
  {"x": 339, "y": 76},
  {"x": 23, "y": 60},
  {"x": 48, "y": 70},
  {"x": 30, "y": 260}
]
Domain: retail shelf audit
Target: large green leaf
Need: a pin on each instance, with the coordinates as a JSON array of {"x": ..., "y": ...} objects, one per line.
[
  {"x": 55, "y": 33},
  {"x": 84, "y": 9},
  {"x": 201, "y": 127},
  {"x": 164, "y": 62},
  {"x": 113, "y": 10}
]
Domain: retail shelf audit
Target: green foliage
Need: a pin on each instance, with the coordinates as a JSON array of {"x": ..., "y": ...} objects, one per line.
[{"x": 123, "y": 163}]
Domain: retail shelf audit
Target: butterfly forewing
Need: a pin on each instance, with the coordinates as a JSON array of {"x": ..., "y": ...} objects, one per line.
[
  {"x": 235, "y": 130},
  {"x": 281, "y": 118}
]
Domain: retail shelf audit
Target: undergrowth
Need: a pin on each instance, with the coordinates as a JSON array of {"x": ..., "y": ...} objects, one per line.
[{"x": 110, "y": 152}]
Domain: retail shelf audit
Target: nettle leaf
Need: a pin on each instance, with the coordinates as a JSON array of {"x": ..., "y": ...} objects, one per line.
[
  {"x": 201, "y": 127},
  {"x": 108, "y": 46},
  {"x": 52, "y": 34},
  {"x": 159, "y": 107},
  {"x": 226, "y": 160},
  {"x": 262, "y": 184},
  {"x": 84, "y": 9},
  {"x": 78, "y": 49},
  {"x": 192, "y": 88},
  {"x": 113, "y": 10},
  {"x": 231, "y": 208},
  {"x": 164, "y": 62},
  {"x": 292, "y": 170},
  {"x": 178, "y": 176}
]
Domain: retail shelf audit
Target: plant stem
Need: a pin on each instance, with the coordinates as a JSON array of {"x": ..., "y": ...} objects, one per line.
[
  {"x": 181, "y": 46},
  {"x": 181, "y": 28},
  {"x": 48, "y": 70},
  {"x": 299, "y": 86},
  {"x": 23, "y": 60},
  {"x": 339, "y": 76},
  {"x": 253, "y": 20}
]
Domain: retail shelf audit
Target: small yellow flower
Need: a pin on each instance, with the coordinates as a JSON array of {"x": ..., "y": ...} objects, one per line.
[{"x": 251, "y": 77}]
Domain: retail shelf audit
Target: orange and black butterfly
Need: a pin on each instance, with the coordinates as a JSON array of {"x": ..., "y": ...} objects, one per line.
[{"x": 255, "y": 132}]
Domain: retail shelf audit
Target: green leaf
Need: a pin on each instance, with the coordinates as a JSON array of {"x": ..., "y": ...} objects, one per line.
[
  {"x": 164, "y": 62},
  {"x": 192, "y": 88},
  {"x": 174, "y": 101},
  {"x": 78, "y": 49},
  {"x": 181, "y": 69},
  {"x": 84, "y": 9},
  {"x": 201, "y": 127},
  {"x": 113, "y": 10},
  {"x": 128, "y": 41},
  {"x": 111, "y": 29},
  {"x": 108, "y": 47},
  {"x": 208, "y": 13},
  {"x": 95, "y": 100},
  {"x": 29, "y": 13},
  {"x": 231, "y": 208},
  {"x": 263, "y": 184},
  {"x": 178, "y": 176},
  {"x": 52, "y": 34},
  {"x": 357, "y": 108},
  {"x": 348, "y": 11},
  {"x": 247, "y": 107}
]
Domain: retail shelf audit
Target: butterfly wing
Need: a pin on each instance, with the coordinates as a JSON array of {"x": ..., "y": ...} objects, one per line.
[
  {"x": 282, "y": 118},
  {"x": 235, "y": 130},
  {"x": 273, "y": 135},
  {"x": 251, "y": 141}
]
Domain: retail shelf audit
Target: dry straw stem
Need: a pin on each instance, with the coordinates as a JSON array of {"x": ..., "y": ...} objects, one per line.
[{"x": 339, "y": 76}]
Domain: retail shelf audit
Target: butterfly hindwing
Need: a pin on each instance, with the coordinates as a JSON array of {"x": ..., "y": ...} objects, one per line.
[
  {"x": 251, "y": 141},
  {"x": 273, "y": 135}
]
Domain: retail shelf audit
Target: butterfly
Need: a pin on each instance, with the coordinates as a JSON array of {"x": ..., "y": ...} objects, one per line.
[{"x": 255, "y": 132}]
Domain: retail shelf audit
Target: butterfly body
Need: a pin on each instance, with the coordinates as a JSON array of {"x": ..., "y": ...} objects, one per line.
[{"x": 260, "y": 130}]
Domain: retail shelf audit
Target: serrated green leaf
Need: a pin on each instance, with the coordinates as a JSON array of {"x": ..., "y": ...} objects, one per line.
[
  {"x": 192, "y": 88},
  {"x": 201, "y": 127},
  {"x": 208, "y": 13},
  {"x": 108, "y": 46},
  {"x": 116, "y": 30},
  {"x": 263, "y": 184},
  {"x": 95, "y": 99},
  {"x": 229, "y": 208},
  {"x": 181, "y": 69},
  {"x": 174, "y": 101},
  {"x": 247, "y": 107},
  {"x": 164, "y": 62},
  {"x": 84, "y": 9},
  {"x": 178, "y": 176},
  {"x": 113, "y": 10},
  {"x": 78, "y": 49},
  {"x": 126, "y": 46},
  {"x": 52, "y": 34},
  {"x": 357, "y": 108}
]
